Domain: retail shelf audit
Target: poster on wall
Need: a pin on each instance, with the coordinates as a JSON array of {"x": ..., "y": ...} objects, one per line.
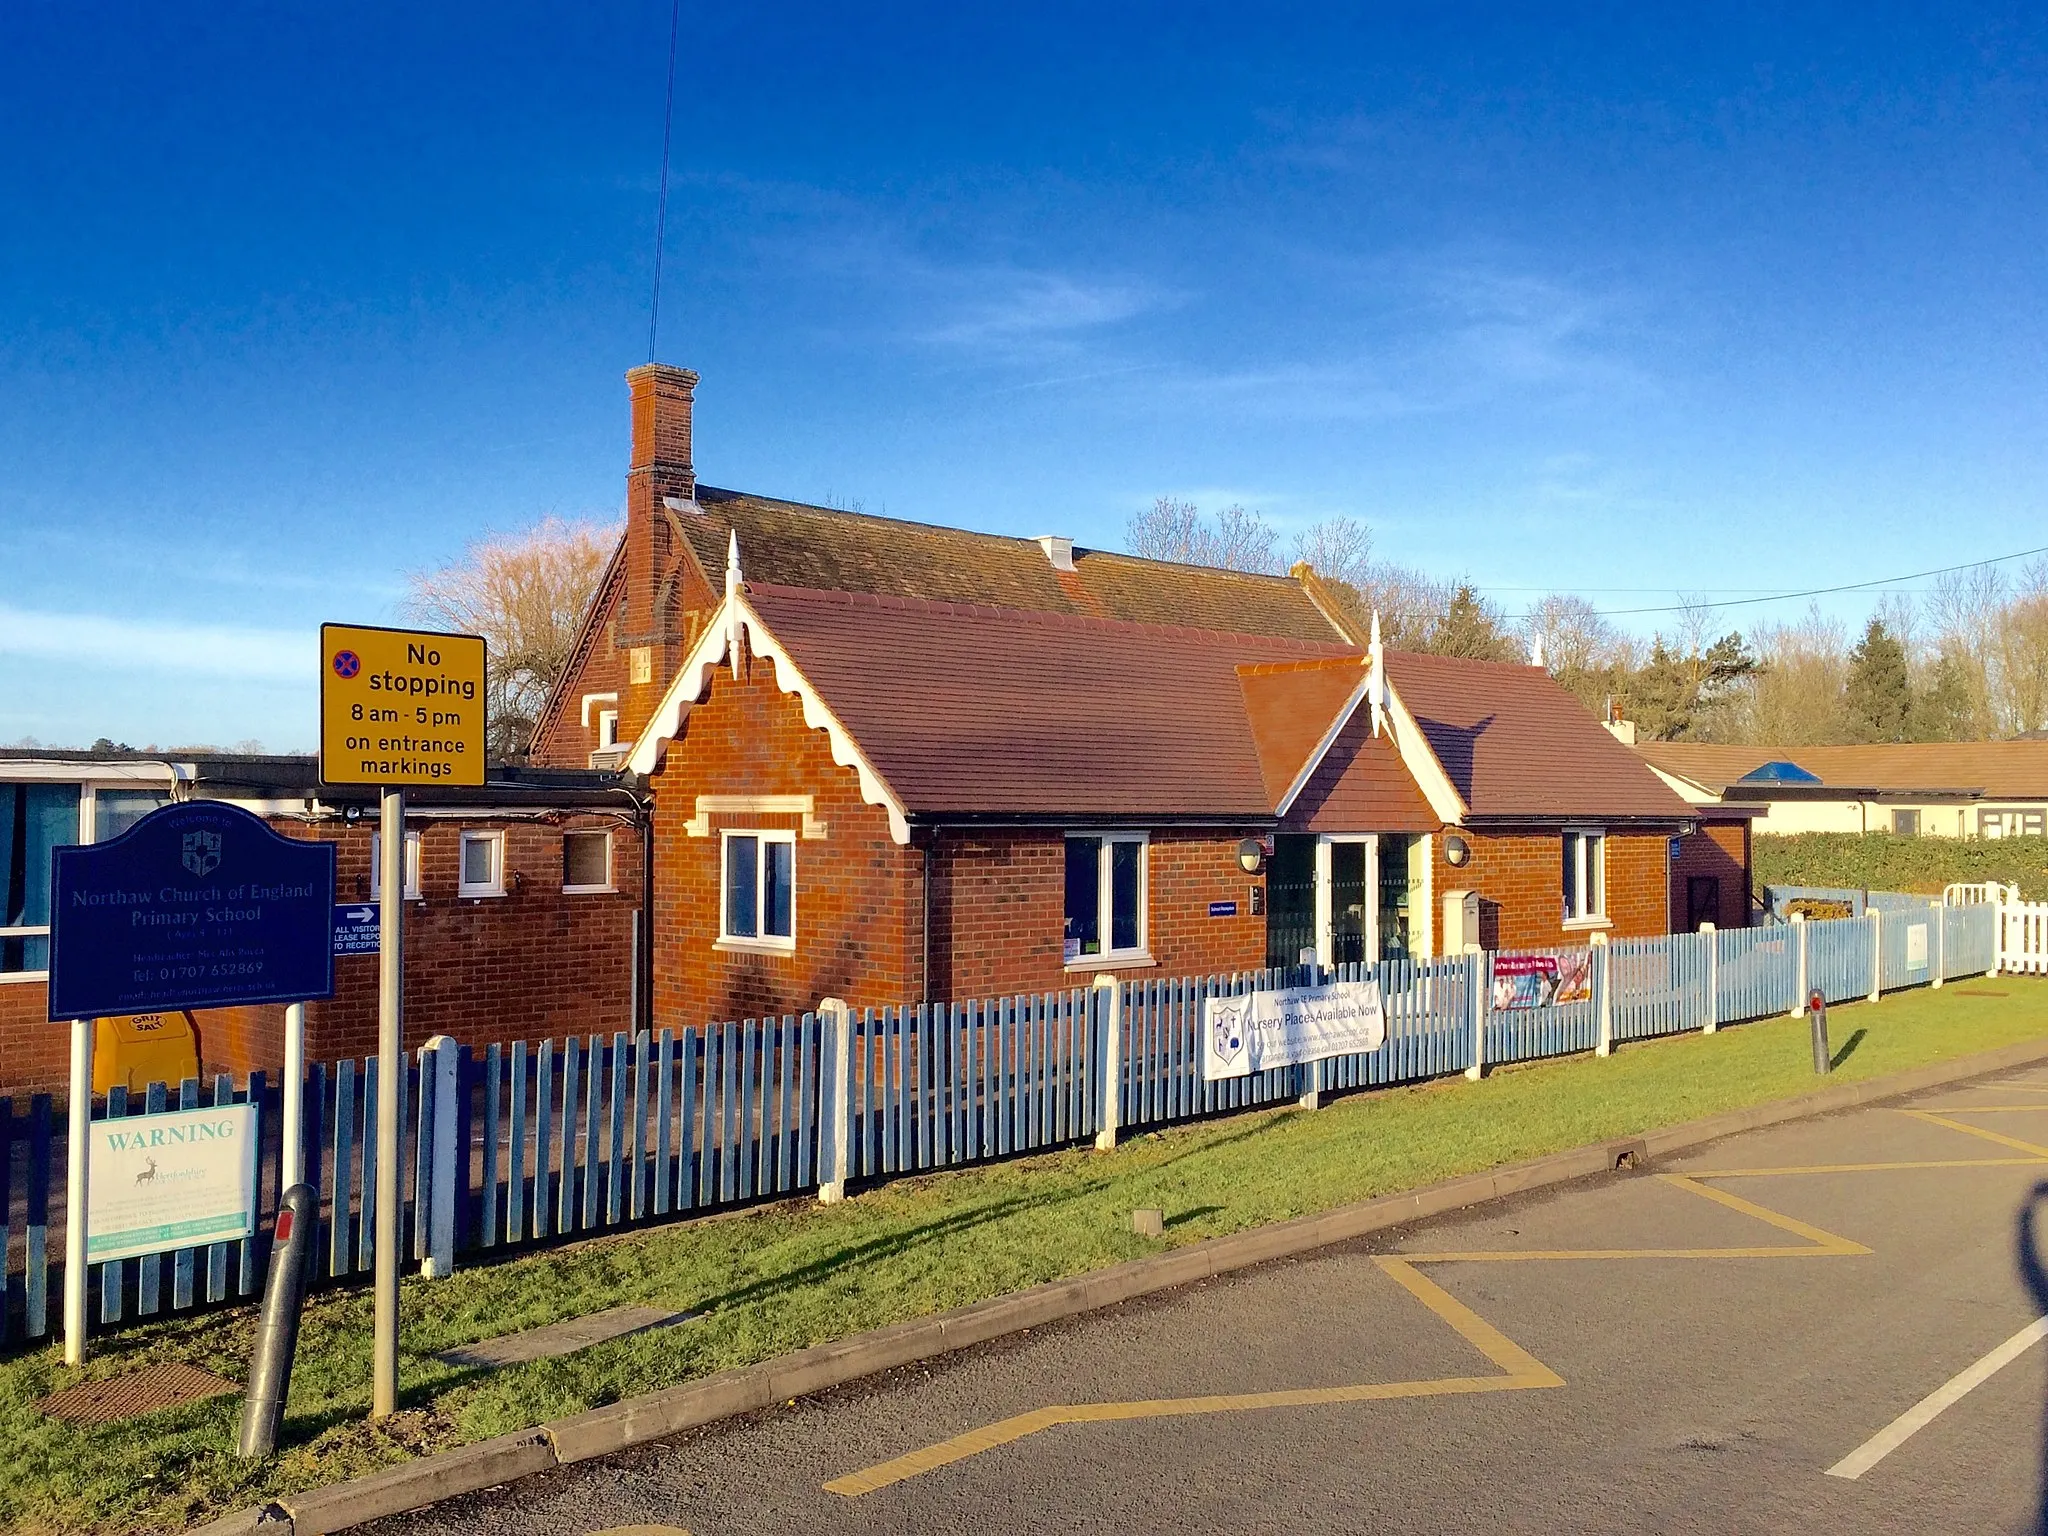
[
  {"x": 1542, "y": 981},
  {"x": 1282, "y": 1028},
  {"x": 174, "y": 1180}
]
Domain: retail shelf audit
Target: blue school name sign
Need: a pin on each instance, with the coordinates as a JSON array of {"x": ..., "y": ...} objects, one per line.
[{"x": 198, "y": 905}]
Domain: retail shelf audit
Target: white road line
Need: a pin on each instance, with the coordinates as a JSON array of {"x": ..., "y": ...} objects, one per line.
[{"x": 1930, "y": 1407}]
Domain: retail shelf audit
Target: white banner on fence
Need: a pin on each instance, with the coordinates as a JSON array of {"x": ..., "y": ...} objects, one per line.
[
  {"x": 174, "y": 1180},
  {"x": 1242, "y": 1035}
]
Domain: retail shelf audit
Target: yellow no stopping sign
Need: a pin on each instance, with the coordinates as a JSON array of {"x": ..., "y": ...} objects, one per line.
[{"x": 400, "y": 706}]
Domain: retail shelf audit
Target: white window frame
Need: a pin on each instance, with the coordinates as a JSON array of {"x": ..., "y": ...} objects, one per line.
[
  {"x": 88, "y": 832},
  {"x": 756, "y": 942},
  {"x": 495, "y": 886},
  {"x": 412, "y": 866},
  {"x": 1596, "y": 917},
  {"x": 607, "y": 888},
  {"x": 1108, "y": 958}
]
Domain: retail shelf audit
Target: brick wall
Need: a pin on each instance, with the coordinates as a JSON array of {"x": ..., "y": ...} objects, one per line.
[
  {"x": 533, "y": 962},
  {"x": 999, "y": 911},
  {"x": 858, "y": 901},
  {"x": 1520, "y": 881},
  {"x": 1719, "y": 849}
]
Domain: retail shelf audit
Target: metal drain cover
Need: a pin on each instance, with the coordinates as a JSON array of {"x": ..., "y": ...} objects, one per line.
[{"x": 132, "y": 1395}]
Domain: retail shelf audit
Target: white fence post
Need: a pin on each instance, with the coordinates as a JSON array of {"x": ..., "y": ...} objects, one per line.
[
  {"x": 437, "y": 1076},
  {"x": 1997, "y": 935},
  {"x": 1475, "y": 973},
  {"x": 1876, "y": 953},
  {"x": 1109, "y": 997},
  {"x": 835, "y": 1095},
  {"x": 1603, "y": 961},
  {"x": 293, "y": 1164},
  {"x": 1799, "y": 965},
  {"x": 1713, "y": 978},
  {"x": 1937, "y": 914}
]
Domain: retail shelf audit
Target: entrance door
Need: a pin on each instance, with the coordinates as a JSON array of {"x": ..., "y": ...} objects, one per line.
[
  {"x": 1348, "y": 892},
  {"x": 1702, "y": 901}
]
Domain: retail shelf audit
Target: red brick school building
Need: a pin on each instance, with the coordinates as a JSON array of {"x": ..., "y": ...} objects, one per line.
[{"x": 802, "y": 752}]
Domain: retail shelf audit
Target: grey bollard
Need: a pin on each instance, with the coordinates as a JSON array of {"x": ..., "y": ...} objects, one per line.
[
  {"x": 1817, "y": 1011},
  {"x": 277, "y": 1330}
]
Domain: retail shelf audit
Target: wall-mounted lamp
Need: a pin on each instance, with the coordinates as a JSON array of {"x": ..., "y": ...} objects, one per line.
[
  {"x": 1456, "y": 851},
  {"x": 1250, "y": 856}
]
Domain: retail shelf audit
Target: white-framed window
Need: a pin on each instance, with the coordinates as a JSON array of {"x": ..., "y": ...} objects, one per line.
[
  {"x": 412, "y": 866},
  {"x": 34, "y": 820},
  {"x": 1905, "y": 823},
  {"x": 1106, "y": 897},
  {"x": 757, "y": 891},
  {"x": 1585, "y": 876},
  {"x": 483, "y": 864},
  {"x": 607, "y": 729},
  {"x": 586, "y": 862}
]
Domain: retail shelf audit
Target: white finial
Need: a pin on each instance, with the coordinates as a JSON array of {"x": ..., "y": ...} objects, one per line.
[
  {"x": 1376, "y": 677},
  {"x": 1535, "y": 650},
  {"x": 732, "y": 592}
]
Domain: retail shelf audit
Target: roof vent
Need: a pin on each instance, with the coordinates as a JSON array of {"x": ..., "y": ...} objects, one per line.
[{"x": 1059, "y": 550}]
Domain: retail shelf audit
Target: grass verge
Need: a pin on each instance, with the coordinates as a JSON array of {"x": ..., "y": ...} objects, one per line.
[{"x": 789, "y": 1276}]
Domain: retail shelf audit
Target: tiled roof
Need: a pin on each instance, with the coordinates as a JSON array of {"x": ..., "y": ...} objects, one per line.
[
  {"x": 2001, "y": 770},
  {"x": 785, "y": 543},
  {"x": 1361, "y": 785},
  {"x": 1290, "y": 705},
  {"x": 1514, "y": 743},
  {"x": 986, "y": 711}
]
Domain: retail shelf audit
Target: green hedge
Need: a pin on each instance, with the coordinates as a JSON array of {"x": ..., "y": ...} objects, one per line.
[{"x": 1881, "y": 861}]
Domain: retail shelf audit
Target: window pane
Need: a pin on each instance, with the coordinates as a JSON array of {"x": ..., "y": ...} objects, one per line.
[
  {"x": 1084, "y": 918},
  {"x": 585, "y": 857},
  {"x": 114, "y": 811},
  {"x": 742, "y": 875},
  {"x": 1596, "y": 894},
  {"x": 25, "y": 953},
  {"x": 478, "y": 859},
  {"x": 34, "y": 818},
  {"x": 1126, "y": 860},
  {"x": 1571, "y": 877},
  {"x": 779, "y": 882}
]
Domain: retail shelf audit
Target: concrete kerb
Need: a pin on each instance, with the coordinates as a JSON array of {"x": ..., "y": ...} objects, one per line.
[{"x": 659, "y": 1415}]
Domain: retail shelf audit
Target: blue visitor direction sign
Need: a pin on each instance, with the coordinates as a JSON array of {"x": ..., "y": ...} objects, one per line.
[{"x": 198, "y": 905}]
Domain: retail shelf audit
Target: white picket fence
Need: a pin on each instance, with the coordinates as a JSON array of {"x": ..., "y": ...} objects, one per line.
[{"x": 2023, "y": 937}]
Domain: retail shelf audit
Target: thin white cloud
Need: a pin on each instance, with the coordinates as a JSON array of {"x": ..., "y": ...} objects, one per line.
[{"x": 156, "y": 645}]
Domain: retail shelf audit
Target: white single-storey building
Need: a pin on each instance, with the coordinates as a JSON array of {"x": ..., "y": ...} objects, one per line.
[{"x": 1940, "y": 789}]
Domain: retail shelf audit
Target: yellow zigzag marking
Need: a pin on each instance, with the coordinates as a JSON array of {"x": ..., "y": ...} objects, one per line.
[{"x": 1520, "y": 1370}]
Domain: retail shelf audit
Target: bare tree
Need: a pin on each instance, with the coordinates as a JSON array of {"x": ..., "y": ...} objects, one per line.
[
  {"x": 1796, "y": 696},
  {"x": 2020, "y": 654},
  {"x": 1236, "y": 539},
  {"x": 526, "y": 594},
  {"x": 1340, "y": 549}
]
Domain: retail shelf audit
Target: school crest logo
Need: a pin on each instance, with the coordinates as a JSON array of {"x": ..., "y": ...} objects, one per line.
[
  {"x": 202, "y": 852},
  {"x": 1226, "y": 1023}
]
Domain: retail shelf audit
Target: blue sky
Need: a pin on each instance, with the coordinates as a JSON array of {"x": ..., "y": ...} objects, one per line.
[{"x": 1612, "y": 299}]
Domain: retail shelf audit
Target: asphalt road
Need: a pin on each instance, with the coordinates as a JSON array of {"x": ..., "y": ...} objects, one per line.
[{"x": 1595, "y": 1389}]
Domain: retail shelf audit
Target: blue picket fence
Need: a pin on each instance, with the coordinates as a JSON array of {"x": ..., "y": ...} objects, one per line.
[{"x": 558, "y": 1139}]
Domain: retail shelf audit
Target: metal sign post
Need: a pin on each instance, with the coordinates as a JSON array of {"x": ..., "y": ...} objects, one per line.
[
  {"x": 397, "y": 707},
  {"x": 75, "y": 1193},
  {"x": 390, "y": 1070}
]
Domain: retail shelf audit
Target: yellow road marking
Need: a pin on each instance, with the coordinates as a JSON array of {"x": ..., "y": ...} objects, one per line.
[
  {"x": 1977, "y": 1130},
  {"x": 1521, "y": 1370},
  {"x": 1952, "y": 1162}
]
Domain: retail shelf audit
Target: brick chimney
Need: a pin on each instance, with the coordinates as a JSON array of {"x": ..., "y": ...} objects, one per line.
[{"x": 649, "y": 628}]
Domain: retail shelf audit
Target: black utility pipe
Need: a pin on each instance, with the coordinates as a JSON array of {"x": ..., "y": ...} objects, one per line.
[{"x": 277, "y": 1330}]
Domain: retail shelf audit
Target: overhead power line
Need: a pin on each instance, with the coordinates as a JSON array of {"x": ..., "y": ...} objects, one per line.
[
  {"x": 1853, "y": 586},
  {"x": 668, "y": 122}
]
